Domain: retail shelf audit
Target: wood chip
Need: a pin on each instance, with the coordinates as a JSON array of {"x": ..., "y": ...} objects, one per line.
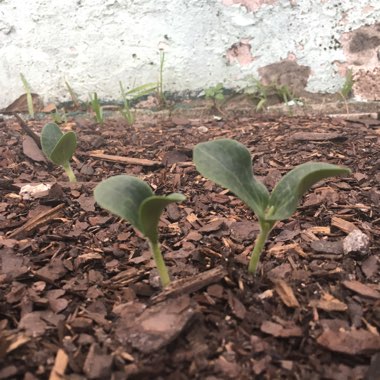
[
  {"x": 286, "y": 293},
  {"x": 41, "y": 219},
  {"x": 124, "y": 160},
  {"x": 328, "y": 303},
  {"x": 192, "y": 284},
  {"x": 342, "y": 224},
  {"x": 353, "y": 342},
  {"x": 362, "y": 289},
  {"x": 60, "y": 364}
]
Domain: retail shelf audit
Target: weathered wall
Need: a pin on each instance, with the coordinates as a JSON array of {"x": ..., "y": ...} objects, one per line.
[{"x": 95, "y": 43}]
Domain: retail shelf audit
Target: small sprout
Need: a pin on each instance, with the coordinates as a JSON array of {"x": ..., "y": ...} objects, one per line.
[
  {"x": 346, "y": 90},
  {"x": 59, "y": 147},
  {"x": 215, "y": 93},
  {"x": 73, "y": 95},
  {"x": 133, "y": 95},
  {"x": 160, "y": 84},
  {"x": 133, "y": 200},
  {"x": 97, "y": 108},
  {"x": 29, "y": 98},
  {"x": 228, "y": 163}
]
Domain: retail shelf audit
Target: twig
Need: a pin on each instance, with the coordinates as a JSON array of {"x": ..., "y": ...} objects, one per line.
[{"x": 27, "y": 130}]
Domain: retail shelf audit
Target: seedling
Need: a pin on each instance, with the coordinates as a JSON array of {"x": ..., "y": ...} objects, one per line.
[
  {"x": 29, "y": 98},
  {"x": 73, "y": 95},
  {"x": 228, "y": 163},
  {"x": 133, "y": 95},
  {"x": 215, "y": 93},
  {"x": 160, "y": 84},
  {"x": 96, "y": 107},
  {"x": 59, "y": 147},
  {"x": 133, "y": 200},
  {"x": 346, "y": 90}
]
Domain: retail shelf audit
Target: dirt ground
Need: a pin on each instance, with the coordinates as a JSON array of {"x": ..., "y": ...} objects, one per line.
[{"x": 79, "y": 295}]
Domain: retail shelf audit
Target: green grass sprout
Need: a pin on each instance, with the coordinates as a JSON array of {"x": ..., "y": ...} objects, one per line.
[
  {"x": 29, "y": 98},
  {"x": 97, "y": 108}
]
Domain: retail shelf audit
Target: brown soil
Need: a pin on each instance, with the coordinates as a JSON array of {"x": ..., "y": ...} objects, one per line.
[{"x": 79, "y": 295}]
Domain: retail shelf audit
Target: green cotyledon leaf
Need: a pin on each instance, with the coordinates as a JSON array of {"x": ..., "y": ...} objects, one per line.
[
  {"x": 151, "y": 210},
  {"x": 228, "y": 163},
  {"x": 50, "y": 135},
  {"x": 123, "y": 195},
  {"x": 287, "y": 194},
  {"x": 58, "y": 147}
]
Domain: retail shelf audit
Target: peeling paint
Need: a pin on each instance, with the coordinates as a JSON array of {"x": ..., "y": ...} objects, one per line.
[
  {"x": 95, "y": 44},
  {"x": 251, "y": 5},
  {"x": 240, "y": 52},
  {"x": 288, "y": 73}
]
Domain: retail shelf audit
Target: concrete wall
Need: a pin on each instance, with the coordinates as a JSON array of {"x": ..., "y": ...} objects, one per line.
[{"x": 307, "y": 44}]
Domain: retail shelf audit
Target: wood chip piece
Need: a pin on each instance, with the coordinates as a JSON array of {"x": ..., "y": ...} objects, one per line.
[
  {"x": 328, "y": 303},
  {"x": 278, "y": 330},
  {"x": 60, "y": 364},
  {"x": 350, "y": 342},
  {"x": 286, "y": 293},
  {"x": 362, "y": 289},
  {"x": 342, "y": 224}
]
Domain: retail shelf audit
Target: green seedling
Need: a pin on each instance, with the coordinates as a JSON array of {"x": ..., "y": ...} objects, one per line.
[
  {"x": 131, "y": 96},
  {"x": 133, "y": 200},
  {"x": 346, "y": 90},
  {"x": 215, "y": 93},
  {"x": 228, "y": 163},
  {"x": 29, "y": 98},
  {"x": 97, "y": 108},
  {"x": 73, "y": 95},
  {"x": 160, "y": 84},
  {"x": 283, "y": 92},
  {"x": 59, "y": 147},
  {"x": 59, "y": 117},
  {"x": 259, "y": 93}
]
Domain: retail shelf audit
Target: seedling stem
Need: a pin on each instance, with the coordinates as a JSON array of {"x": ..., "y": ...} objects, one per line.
[
  {"x": 161, "y": 267},
  {"x": 69, "y": 172}
]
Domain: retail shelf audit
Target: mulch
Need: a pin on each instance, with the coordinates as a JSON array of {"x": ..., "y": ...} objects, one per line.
[{"x": 79, "y": 294}]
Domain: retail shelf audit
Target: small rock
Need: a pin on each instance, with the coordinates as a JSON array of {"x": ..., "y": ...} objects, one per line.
[
  {"x": 87, "y": 170},
  {"x": 324, "y": 246},
  {"x": 202, "y": 129},
  {"x": 356, "y": 242},
  {"x": 97, "y": 365}
]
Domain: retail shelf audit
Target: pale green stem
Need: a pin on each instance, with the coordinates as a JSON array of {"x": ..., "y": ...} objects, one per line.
[
  {"x": 161, "y": 267},
  {"x": 265, "y": 229},
  {"x": 69, "y": 172}
]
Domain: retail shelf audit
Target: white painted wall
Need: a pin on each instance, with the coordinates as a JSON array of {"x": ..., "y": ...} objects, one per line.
[{"x": 95, "y": 43}]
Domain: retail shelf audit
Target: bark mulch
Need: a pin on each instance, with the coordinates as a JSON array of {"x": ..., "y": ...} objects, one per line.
[{"x": 79, "y": 294}]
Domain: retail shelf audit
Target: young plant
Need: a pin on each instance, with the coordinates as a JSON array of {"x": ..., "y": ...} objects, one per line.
[
  {"x": 59, "y": 147},
  {"x": 133, "y": 95},
  {"x": 29, "y": 98},
  {"x": 73, "y": 95},
  {"x": 133, "y": 200},
  {"x": 160, "y": 84},
  {"x": 97, "y": 108},
  {"x": 228, "y": 163},
  {"x": 346, "y": 90},
  {"x": 259, "y": 93},
  {"x": 215, "y": 93}
]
